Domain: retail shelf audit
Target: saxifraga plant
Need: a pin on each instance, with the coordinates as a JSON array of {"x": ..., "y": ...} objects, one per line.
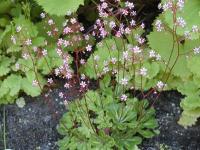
[
  {"x": 124, "y": 56},
  {"x": 110, "y": 117}
]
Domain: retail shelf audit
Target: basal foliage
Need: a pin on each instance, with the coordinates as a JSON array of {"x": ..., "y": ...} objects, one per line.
[{"x": 111, "y": 124}]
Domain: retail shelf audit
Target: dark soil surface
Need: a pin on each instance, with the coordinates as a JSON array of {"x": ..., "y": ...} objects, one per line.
[
  {"x": 34, "y": 126},
  {"x": 172, "y": 135}
]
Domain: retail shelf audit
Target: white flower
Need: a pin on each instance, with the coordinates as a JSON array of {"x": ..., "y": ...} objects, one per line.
[
  {"x": 158, "y": 57},
  {"x": 28, "y": 42},
  {"x": 112, "y": 24},
  {"x": 35, "y": 49},
  {"x": 127, "y": 31},
  {"x": 87, "y": 37},
  {"x": 152, "y": 54},
  {"x": 159, "y": 6},
  {"x": 57, "y": 71},
  {"x": 142, "y": 25},
  {"x": 125, "y": 55},
  {"x": 141, "y": 40},
  {"x": 73, "y": 20},
  {"x": 104, "y": 5},
  {"x": 180, "y": 4},
  {"x": 113, "y": 60},
  {"x": 133, "y": 13},
  {"x": 82, "y": 61},
  {"x": 59, "y": 51},
  {"x": 66, "y": 43},
  {"x": 25, "y": 56},
  {"x": 195, "y": 28},
  {"x": 82, "y": 28},
  {"x": 89, "y": 48},
  {"x": 67, "y": 85},
  {"x": 187, "y": 35},
  {"x": 159, "y": 26},
  {"x": 42, "y": 15},
  {"x": 50, "y": 22},
  {"x": 123, "y": 97},
  {"x": 35, "y": 83},
  {"x": 124, "y": 81},
  {"x": 196, "y": 50},
  {"x": 13, "y": 39},
  {"x": 160, "y": 85},
  {"x": 129, "y": 5},
  {"x": 132, "y": 23},
  {"x": 143, "y": 71},
  {"x": 167, "y": 5},
  {"x": 96, "y": 57},
  {"x": 61, "y": 95},
  {"x": 44, "y": 52},
  {"x": 105, "y": 69},
  {"x": 83, "y": 84},
  {"x": 50, "y": 80},
  {"x": 49, "y": 33},
  {"x": 137, "y": 50},
  {"x": 18, "y": 29},
  {"x": 68, "y": 75},
  {"x": 181, "y": 22}
]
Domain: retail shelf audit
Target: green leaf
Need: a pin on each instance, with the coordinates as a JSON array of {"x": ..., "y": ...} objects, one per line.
[
  {"x": 5, "y": 37},
  {"x": 5, "y": 65},
  {"x": 104, "y": 83},
  {"x": 146, "y": 133},
  {"x": 193, "y": 65},
  {"x": 14, "y": 48},
  {"x": 10, "y": 87},
  {"x": 191, "y": 107},
  {"x": 5, "y": 6},
  {"x": 28, "y": 87},
  {"x": 190, "y": 11},
  {"x": 151, "y": 124},
  {"x": 129, "y": 143},
  {"x": 28, "y": 28},
  {"x": 162, "y": 42},
  {"x": 39, "y": 41},
  {"x": 152, "y": 69},
  {"x": 188, "y": 88},
  {"x": 13, "y": 82},
  {"x": 60, "y": 7},
  {"x": 189, "y": 117}
]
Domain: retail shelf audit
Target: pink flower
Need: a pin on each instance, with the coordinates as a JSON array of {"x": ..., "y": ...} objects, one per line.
[{"x": 67, "y": 30}]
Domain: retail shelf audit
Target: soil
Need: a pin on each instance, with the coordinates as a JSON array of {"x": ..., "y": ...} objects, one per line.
[
  {"x": 172, "y": 135},
  {"x": 34, "y": 126}
]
